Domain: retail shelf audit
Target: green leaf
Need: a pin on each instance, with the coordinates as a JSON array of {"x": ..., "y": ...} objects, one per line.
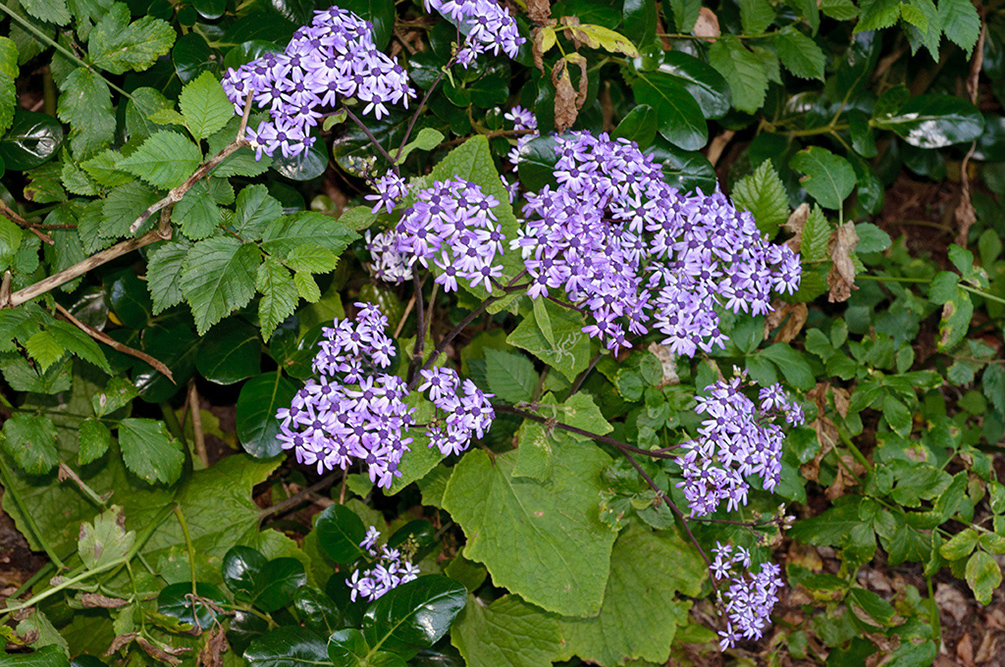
[
  {"x": 705, "y": 84},
  {"x": 793, "y": 365},
  {"x": 241, "y": 162},
  {"x": 983, "y": 575},
  {"x": 816, "y": 235},
  {"x": 276, "y": 582},
  {"x": 86, "y": 105},
  {"x": 639, "y": 18},
  {"x": 378, "y": 12},
  {"x": 163, "y": 275},
  {"x": 348, "y": 648},
  {"x": 306, "y": 286},
  {"x": 414, "y": 615},
  {"x": 535, "y": 457},
  {"x": 165, "y": 160},
  {"x": 205, "y": 106},
  {"x": 570, "y": 351},
  {"x": 31, "y": 441},
  {"x": 311, "y": 258},
  {"x": 841, "y": 10},
  {"x": 871, "y": 238},
  {"x": 934, "y": 121},
  {"x": 599, "y": 37},
  {"x": 800, "y": 54},
  {"x": 877, "y": 14},
  {"x": 288, "y": 646},
  {"x": 44, "y": 349},
  {"x": 219, "y": 278},
  {"x": 993, "y": 385},
  {"x": 123, "y": 206},
  {"x": 230, "y": 353},
  {"x": 10, "y": 241},
  {"x": 507, "y": 633},
  {"x": 744, "y": 72},
  {"x": 282, "y": 235},
  {"x": 279, "y": 295},
  {"x": 241, "y": 571},
  {"x": 31, "y": 139},
  {"x": 644, "y": 566},
  {"x": 638, "y": 125},
  {"x": 828, "y": 178},
  {"x": 117, "y": 45},
  {"x": 956, "y": 315},
  {"x": 553, "y": 525},
  {"x": 426, "y": 140},
  {"x": 254, "y": 210},
  {"x": 78, "y": 343},
  {"x": 176, "y": 601},
  {"x": 150, "y": 451},
  {"x": 756, "y": 16},
  {"x": 257, "y": 426},
  {"x": 106, "y": 539},
  {"x": 511, "y": 376},
  {"x": 95, "y": 438},
  {"x": 763, "y": 194},
  {"x": 959, "y": 545},
  {"x": 316, "y": 610},
  {"x": 960, "y": 22},
  {"x": 51, "y": 11},
  {"x": 685, "y": 13},
  {"x": 47, "y": 656},
  {"x": 872, "y": 604},
  {"x": 197, "y": 213},
  {"x": 679, "y": 118},
  {"x": 103, "y": 169},
  {"x": 339, "y": 532}
]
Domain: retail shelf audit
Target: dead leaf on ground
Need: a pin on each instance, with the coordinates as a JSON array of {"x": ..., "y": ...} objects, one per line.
[
  {"x": 212, "y": 651},
  {"x": 707, "y": 25},
  {"x": 668, "y": 360},
  {"x": 950, "y": 600},
  {"x": 841, "y": 279}
]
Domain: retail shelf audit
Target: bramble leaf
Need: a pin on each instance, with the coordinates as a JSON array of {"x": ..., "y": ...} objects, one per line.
[
  {"x": 165, "y": 160},
  {"x": 117, "y": 45},
  {"x": 763, "y": 194},
  {"x": 31, "y": 442},
  {"x": 218, "y": 278},
  {"x": 205, "y": 106}
]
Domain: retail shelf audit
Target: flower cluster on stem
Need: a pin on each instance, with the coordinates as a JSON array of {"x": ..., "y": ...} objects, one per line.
[
  {"x": 487, "y": 25},
  {"x": 390, "y": 570},
  {"x": 750, "y": 597}
]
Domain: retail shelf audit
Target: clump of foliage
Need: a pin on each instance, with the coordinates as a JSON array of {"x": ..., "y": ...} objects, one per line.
[{"x": 464, "y": 276}]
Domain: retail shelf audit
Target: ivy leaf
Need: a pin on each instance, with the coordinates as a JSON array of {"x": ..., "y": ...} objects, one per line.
[
  {"x": 163, "y": 275},
  {"x": 116, "y": 45},
  {"x": 745, "y": 73},
  {"x": 279, "y": 295},
  {"x": 85, "y": 104},
  {"x": 828, "y": 178},
  {"x": 165, "y": 160},
  {"x": 507, "y": 633},
  {"x": 960, "y": 22},
  {"x": 763, "y": 194},
  {"x": 644, "y": 565},
  {"x": 205, "y": 106},
  {"x": 218, "y": 278},
  {"x": 31, "y": 442},
  {"x": 106, "y": 539},
  {"x": 553, "y": 525},
  {"x": 800, "y": 54},
  {"x": 149, "y": 450}
]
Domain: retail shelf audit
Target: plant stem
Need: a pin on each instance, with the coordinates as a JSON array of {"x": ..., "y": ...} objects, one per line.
[
  {"x": 974, "y": 290},
  {"x": 373, "y": 139},
  {"x": 298, "y": 498},
  {"x": 418, "y": 109},
  {"x": 420, "y": 327},
  {"x": 66, "y": 584},
  {"x": 188, "y": 547},
  {"x": 66, "y": 472}
]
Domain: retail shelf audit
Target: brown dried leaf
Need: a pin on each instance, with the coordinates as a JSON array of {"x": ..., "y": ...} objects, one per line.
[
  {"x": 707, "y": 25},
  {"x": 565, "y": 98},
  {"x": 825, "y": 429},
  {"x": 965, "y": 650},
  {"x": 841, "y": 279},
  {"x": 669, "y": 363},
  {"x": 569, "y": 22},
  {"x": 584, "y": 82},
  {"x": 120, "y": 641},
  {"x": 212, "y": 651},
  {"x": 96, "y": 600},
  {"x": 168, "y": 654},
  {"x": 988, "y": 648},
  {"x": 538, "y": 10},
  {"x": 795, "y": 225},
  {"x": 792, "y": 314}
]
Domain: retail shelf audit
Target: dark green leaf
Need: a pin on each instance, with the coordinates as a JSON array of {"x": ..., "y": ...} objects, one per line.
[
  {"x": 828, "y": 178},
  {"x": 800, "y": 54},
  {"x": 744, "y": 72},
  {"x": 86, "y": 104},
  {"x": 230, "y": 353},
  {"x": 177, "y": 600},
  {"x": 756, "y": 16},
  {"x": 378, "y": 12},
  {"x": 414, "y": 615},
  {"x": 257, "y": 426},
  {"x": 32, "y": 139},
  {"x": 31, "y": 442},
  {"x": 934, "y": 121},
  {"x": 537, "y": 163},
  {"x": 639, "y": 125},
  {"x": 872, "y": 604},
  {"x": 639, "y": 20},
  {"x": 983, "y": 575},
  {"x": 705, "y": 84},
  {"x": 163, "y": 273},
  {"x": 165, "y": 160},
  {"x": 316, "y": 610},
  {"x": 339, "y": 532},
  {"x": 685, "y": 170},
  {"x": 679, "y": 117},
  {"x": 289, "y": 646},
  {"x": 219, "y": 277}
]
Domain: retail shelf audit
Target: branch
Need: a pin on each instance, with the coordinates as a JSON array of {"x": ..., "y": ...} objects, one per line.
[
  {"x": 14, "y": 217},
  {"x": 114, "y": 344}
]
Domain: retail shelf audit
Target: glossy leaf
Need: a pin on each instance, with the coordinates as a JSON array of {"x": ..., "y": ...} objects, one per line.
[
  {"x": 686, "y": 170},
  {"x": 177, "y": 601},
  {"x": 230, "y": 353},
  {"x": 679, "y": 117},
  {"x": 378, "y": 12},
  {"x": 316, "y": 610},
  {"x": 289, "y": 646},
  {"x": 339, "y": 532},
  {"x": 414, "y": 615},
  {"x": 639, "y": 125},
  {"x": 257, "y": 426},
  {"x": 934, "y": 121},
  {"x": 32, "y": 139},
  {"x": 705, "y": 84}
]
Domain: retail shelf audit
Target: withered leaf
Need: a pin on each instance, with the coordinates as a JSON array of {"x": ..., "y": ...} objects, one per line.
[
  {"x": 841, "y": 279},
  {"x": 707, "y": 25}
]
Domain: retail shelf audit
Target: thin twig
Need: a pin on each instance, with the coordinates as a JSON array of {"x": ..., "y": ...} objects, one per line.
[
  {"x": 373, "y": 139},
  {"x": 114, "y": 344},
  {"x": 583, "y": 375},
  {"x": 420, "y": 326},
  {"x": 298, "y": 498},
  {"x": 197, "y": 433},
  {"x": 418, "y": 109},
  {"x": 964, "y": 213},
  {"x": 14, "y": 217},
  {"x": 404, "y": 316}
]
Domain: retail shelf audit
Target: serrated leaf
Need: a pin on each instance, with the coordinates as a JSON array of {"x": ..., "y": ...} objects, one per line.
[
  {"x": 10, "y": 242},
  {"x": 75, "y": 179},
  {"x": 205, "y": 106},
  {"x": 279, "y": 295},
  {"x": 841, "y": 10},
  {"x": 800, "y": 54},
  {"x": 510, "y": 376},
  {"x": 78, "y": 343},
  {"x": 106, "y": 539},
  {"x": 877, "y": 14},
  {"x": 165, "y": 160},
  {"x": 8, "y": 101},
  {"x": 117, "y": 45},
  {"x": 828, "y": 178},
  {"x": 816, "y": 235},
  {"x": 149, "y": 451},
  {"x": 306, "y": 286},
  {"x": 763, "y": 194},
  {"x": 745, "y": 73},
  {"x": 960, "y": 23},
  {"x": 312, "y": 258},
  {"x": 44, "y": 349},
  {"x": 197, "y": 213},
  {"x": 95, "y": 439},
  {"x": 756, "y": 16},
  {"x": 284, "y": 234},
  {"x": 553, "y": 525},
  {"x": 254, "y": 210},
  {"x": 218, "y": 278},
  {"x": 163, "y": 275},
  {"x": 166, "y": 117},
  {"x": 123, "y": 206},
  {"x": 86, "y": 105},
  {"x": 103, "y": 169},
  {"x": 50, "y": 11},
  {"x": 31, "y": 442},
  {"x": 507, "y": 633}
]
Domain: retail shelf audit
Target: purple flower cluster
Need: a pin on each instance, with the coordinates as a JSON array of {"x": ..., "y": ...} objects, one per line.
[
  {"x": 452, "y": 225},
  {"x": 737, "y": 439},
  {"x": 522, "y": 119},
  {"x": 751, "y": 596},
  {"x": 351, "y": 412},
  {"x": 330, "y": 60},
  {"x": 391, "y": 188},
  {"x": 391, "y": 570},
  {"x": 487, "y": 25},
  {"x": 630, "y": 248},
  {"x": 462, "y": 417}
]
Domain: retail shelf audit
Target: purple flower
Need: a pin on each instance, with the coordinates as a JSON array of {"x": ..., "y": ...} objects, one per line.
[
  {"x": 750, "y": 597},
  {"x": 487, "y": 25},
  {"x": 390, "y": 189},
  {"x": 390, "y": 570},
  {"x": 464, "y": 416}
]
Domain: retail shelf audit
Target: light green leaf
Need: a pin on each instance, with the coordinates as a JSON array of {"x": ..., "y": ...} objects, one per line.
[
  {"x": 306, "y": 286},
  {"x": 205, "y": 106},
  {"x": 828, "y": 178},
  {"x": 956, "y": 315},
  {"x": 960, "y": 22},
  {"x": 763, "y": 194},
  {"x": 10, "y": 242},
  {"x": 648, "y": 566},
  {"x": 554, "y": 526},
  {"x": 800, "y": 54},
  {"x": 284, "y": 234},
  {"x": 50, "y": 11},
  {"x": 507, "y": 633},
  {"x": 599, "y": 37},
  {"x": 511, "y": 376},
  {"x": 163, "y": 275},
  {"x": 8, "y": 100},
  {"x": 877, "y": 14},
  {"x": 31, "y": 441},
  {"x": 123, "y": 206},
  {"x": 103, "y": 169},
  {"x": 543, "y": 320},
  {"x": 166, "y": 117},
  {"x": 279, "y": 295},
  {"x": 535, "y": 457},
  {"x": 984, "y": 576},
  {"x": 86, "y": 105},
  {"x": 570, "y": 352},
  {"x": 165, "y": 160},
  {"x": 44, "y": 349},
  {"x": 78, "y": 343},
  {"x": 745, "y": 73},
  {"x": 218, "y": 278},
  {"x": 816, "y": 235},
  {"x": 117, "y": 45},
  {"x": 106, "y": 539},
  {"x": 426, "y": 140},
  {"x": 312, "y": 258},
  {"x": 149, "y": 450}
]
